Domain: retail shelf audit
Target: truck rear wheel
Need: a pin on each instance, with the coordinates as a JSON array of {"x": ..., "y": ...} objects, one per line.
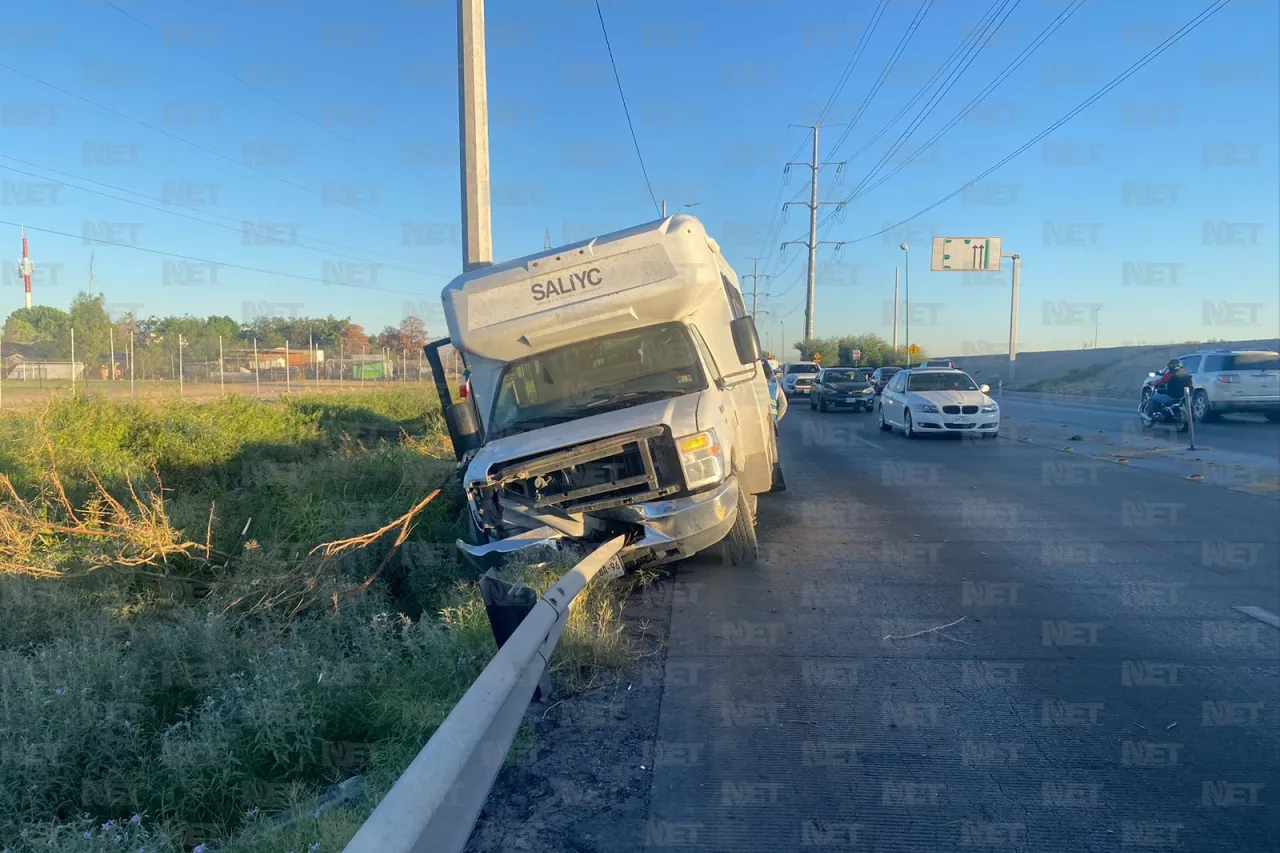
[{"x": 740, "y": 547}]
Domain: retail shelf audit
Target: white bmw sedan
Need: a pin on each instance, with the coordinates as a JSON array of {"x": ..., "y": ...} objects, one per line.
[{"x": 938, "y": 400}]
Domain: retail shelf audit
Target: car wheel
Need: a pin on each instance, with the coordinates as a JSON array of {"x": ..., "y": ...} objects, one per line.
[
  {"x": 741, "y": 547},
  {"x": 813, "y": 404},
  {"x": 1201, "y": 410},
  {"x": 908, "y": 428},
  {"x": 822, "y": 405},
  {"x": 884, "y": 427}
]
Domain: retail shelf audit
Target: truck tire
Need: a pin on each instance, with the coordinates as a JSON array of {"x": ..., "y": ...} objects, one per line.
[{"x": 740, "y": 547}]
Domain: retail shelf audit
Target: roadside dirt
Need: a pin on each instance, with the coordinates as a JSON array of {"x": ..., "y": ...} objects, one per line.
[{"x": 583, "y": 786}]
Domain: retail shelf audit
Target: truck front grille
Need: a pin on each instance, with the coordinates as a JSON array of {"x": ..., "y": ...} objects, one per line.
[{"x": 632, "y": 468}]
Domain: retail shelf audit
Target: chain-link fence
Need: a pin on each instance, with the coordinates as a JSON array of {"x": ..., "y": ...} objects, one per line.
[{"x": 27, "y": 377}]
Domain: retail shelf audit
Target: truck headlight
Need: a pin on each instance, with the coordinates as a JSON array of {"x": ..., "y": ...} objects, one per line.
[{"x": 701, "y": 459}]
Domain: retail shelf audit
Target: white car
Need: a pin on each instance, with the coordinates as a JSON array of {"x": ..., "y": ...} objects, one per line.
[
  {"x": 798, "y": 376},
  {"x": 937, "y": 400}
]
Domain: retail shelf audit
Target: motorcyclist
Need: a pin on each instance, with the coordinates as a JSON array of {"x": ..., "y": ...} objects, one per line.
[{"x": 1170, "y": 388}]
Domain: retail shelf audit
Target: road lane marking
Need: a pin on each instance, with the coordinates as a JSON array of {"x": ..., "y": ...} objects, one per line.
[{"x": 1261, "y": 615}]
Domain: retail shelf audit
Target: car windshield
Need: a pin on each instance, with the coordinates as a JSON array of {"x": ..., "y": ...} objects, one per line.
[
  {"x": 1253, "y": 361},
  {"x": 940, "y": 382},
  {"x": 842, "y": 376},
  {"x": 600, "y": 375},
  {"x": 802, "y": 368}
]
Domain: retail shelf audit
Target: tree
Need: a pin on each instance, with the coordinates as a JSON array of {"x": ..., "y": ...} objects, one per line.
[
  {"x": 354, "y": 339},
  {"x": 48, "y": 328},
  {"x": 389, "y": 338},
  {"x": 413, "y": 334}
]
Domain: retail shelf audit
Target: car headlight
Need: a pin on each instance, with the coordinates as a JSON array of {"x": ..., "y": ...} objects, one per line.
[
  {"x": 701, "y": 459},
  {"x": 868, "y": 390},
  {"x": 928, "y": 408},
  {"x": 991, "y": 408}
]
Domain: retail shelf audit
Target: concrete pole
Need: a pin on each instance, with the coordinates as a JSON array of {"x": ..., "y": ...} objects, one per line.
[
  {"x": 473, "y": 125},
  {"x": 1013, "y": 320},
  {"x": 895, "y": 314}
]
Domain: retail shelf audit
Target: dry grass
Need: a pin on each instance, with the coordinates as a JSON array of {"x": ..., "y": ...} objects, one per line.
[{"x": 198, "y": 648}]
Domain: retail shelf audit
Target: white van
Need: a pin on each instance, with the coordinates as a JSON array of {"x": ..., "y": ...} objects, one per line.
[{"x": 615, "y": 387}]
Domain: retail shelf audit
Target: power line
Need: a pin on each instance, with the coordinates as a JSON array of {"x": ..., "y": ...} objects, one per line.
[
  {"x": 208, "y": 261},
  {"x": 964, "y": 46},
  {"x": 945, "y": 87},
  {"x": 626, "y": 109},
  {"x": 903, "y": 43},
  {"x": 195, "y": 145},
  {"x": 982, "y": 95},
  {"x": 774, "y": 230},
  {"x": 261, "y": 91},
  {"x": 1125, "y": 75},
  {"x": 240, "y": 229}
]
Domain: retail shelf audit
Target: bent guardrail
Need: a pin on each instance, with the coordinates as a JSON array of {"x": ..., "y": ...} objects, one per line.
[{"x": 433, "y": 806}]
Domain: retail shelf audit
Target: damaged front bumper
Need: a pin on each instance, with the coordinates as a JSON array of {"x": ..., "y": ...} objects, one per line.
[{"x": 666, "y": 529}]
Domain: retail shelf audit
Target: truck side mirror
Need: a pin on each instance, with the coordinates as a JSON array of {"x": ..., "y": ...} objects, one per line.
[
  {"x": 745, "y": 339},
  {"x": 461, "y": 421}
]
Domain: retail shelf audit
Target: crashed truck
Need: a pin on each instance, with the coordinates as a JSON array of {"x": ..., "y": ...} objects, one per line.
[{"x": 614, "y": 388}]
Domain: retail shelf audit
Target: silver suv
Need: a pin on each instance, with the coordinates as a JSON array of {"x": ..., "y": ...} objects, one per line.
[{"x": 1230, "y": 381}]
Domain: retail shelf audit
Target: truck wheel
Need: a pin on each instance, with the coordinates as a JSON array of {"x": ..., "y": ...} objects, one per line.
[{"x": 740, "y": 547}]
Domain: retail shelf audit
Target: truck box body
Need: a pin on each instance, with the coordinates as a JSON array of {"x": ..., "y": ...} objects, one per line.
[{"x": 557, "y": 344}]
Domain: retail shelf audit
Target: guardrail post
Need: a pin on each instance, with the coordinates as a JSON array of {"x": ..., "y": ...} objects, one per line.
[{"x": 507, "y": 604}]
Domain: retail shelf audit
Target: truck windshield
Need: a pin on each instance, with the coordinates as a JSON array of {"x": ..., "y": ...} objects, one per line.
[
  {"x": 802, "y": 368},
  {"x": 600, "y": 375}
]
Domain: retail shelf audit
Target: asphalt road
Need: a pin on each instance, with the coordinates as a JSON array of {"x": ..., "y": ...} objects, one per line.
[
  {"x": 1243, "y": 433},
  {"x": 1095, "y": 687}
]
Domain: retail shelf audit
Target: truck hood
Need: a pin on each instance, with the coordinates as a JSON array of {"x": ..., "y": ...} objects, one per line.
[{"x": 678, "y": 413}]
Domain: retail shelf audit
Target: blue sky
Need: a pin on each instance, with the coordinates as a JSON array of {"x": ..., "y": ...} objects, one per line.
[{"x": 712, "y": 88}]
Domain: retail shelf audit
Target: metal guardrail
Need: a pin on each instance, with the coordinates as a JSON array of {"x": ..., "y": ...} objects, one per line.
[{"x": 433, "y": 806}]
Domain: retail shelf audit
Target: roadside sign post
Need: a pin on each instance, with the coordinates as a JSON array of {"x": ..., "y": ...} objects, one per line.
[
  {"x": 1191, "y": 417},
  {"x": 982, "y": 254}
]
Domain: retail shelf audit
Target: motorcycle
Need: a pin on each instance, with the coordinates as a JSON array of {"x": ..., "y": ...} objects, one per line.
[{"x": 1174, "y": 414}]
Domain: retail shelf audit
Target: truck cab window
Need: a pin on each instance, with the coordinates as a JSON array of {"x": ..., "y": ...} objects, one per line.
[{"x": 595, "y": 376}]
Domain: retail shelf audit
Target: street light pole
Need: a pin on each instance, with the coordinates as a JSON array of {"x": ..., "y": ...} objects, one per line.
[{"x": 906, "y": 287}]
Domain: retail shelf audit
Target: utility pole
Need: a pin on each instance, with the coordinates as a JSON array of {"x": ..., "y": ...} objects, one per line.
[
  {"x": 755, "y": 283},
  {"x": 1013, "y": 319},
  {"x": 473, "y": 128},
  {"x": 812, "y": 243}
]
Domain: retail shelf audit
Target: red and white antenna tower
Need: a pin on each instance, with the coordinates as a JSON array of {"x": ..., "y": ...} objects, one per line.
[{"x": 25, "y": 267}]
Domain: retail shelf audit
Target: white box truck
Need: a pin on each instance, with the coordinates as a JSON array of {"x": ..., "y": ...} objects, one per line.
[{"x": 615, "y": 387}]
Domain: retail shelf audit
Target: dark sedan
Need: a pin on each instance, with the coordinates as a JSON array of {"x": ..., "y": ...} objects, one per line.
[
  {"x": 841, "y": 388},
  {"x": 882, "y": 376}
]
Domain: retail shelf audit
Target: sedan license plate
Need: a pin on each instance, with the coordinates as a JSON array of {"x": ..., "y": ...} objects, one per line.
[
  {"x": 851, "y": 399},
  {"x": 961, "y": 419}
]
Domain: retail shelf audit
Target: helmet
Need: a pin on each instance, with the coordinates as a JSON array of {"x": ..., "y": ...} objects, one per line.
[{"x": 1173, "y": 364}]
